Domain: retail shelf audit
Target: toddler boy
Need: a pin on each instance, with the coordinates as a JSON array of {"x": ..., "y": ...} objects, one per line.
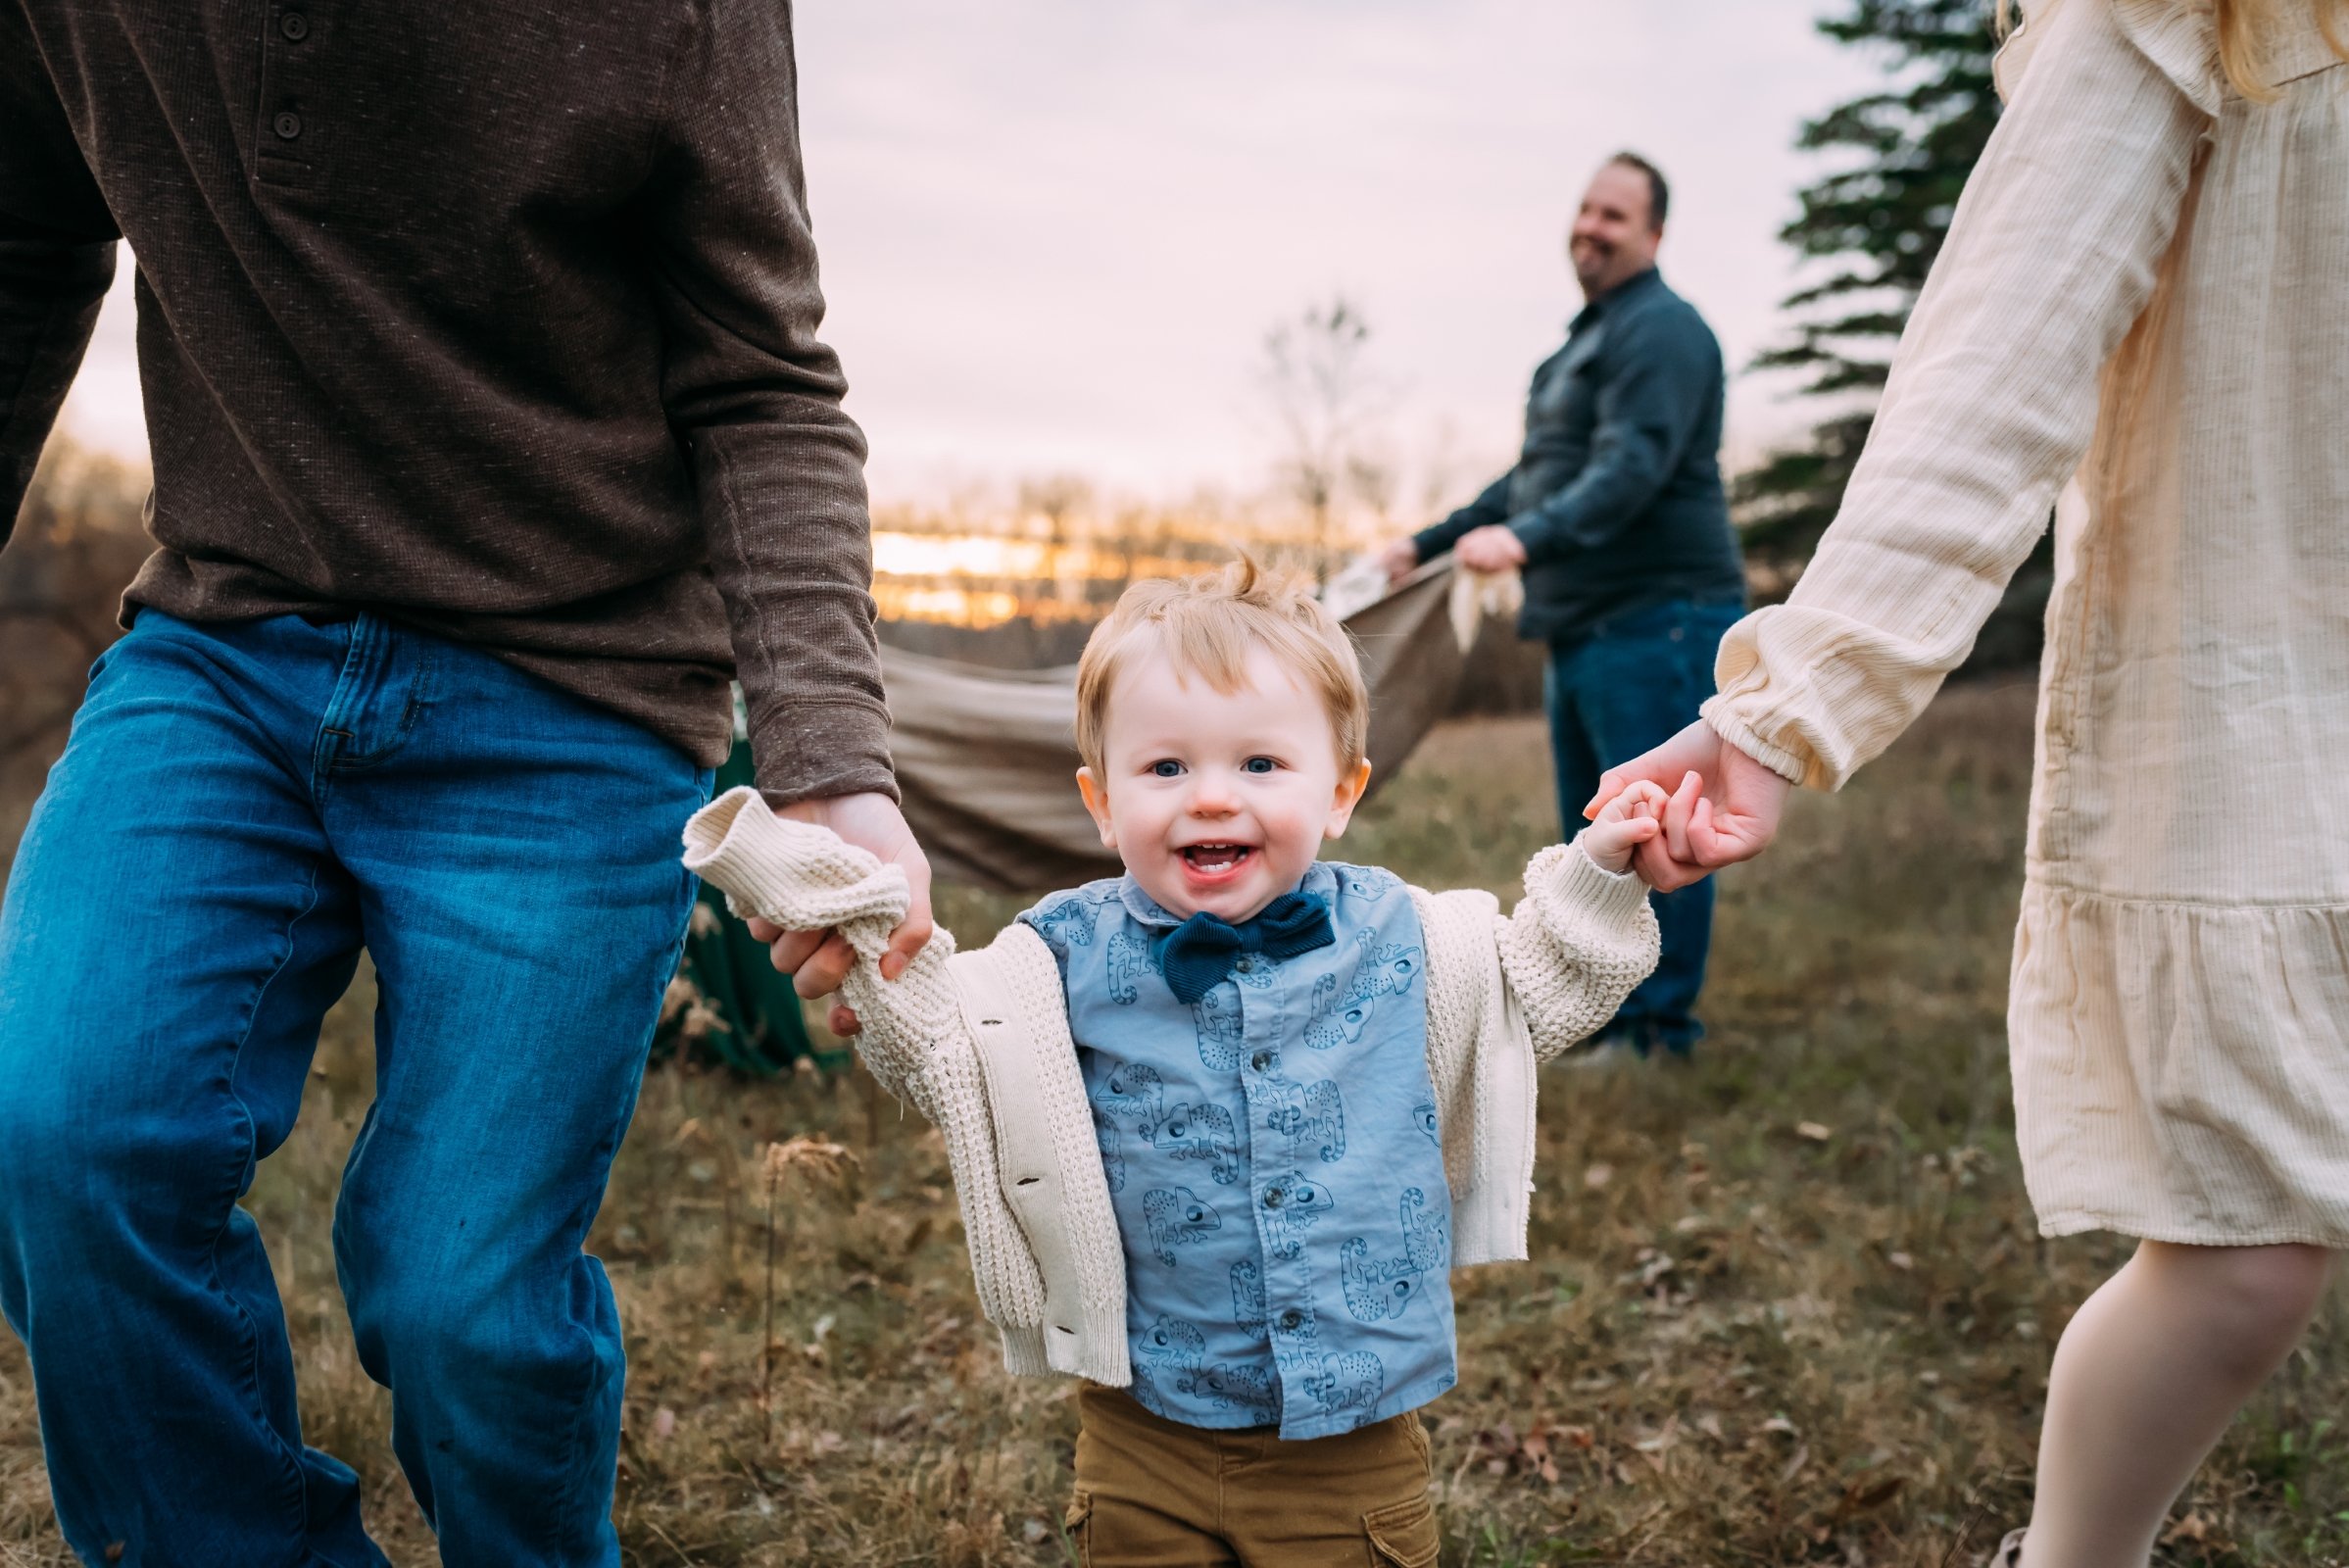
[{"x": 1221, "y": 1126}]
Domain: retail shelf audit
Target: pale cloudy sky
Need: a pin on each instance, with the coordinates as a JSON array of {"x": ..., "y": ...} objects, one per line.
[{"x": 1055, "y": 231}]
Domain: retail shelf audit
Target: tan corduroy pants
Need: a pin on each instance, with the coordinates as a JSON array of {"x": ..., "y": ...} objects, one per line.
[{"x": 1155, "y": 1493}]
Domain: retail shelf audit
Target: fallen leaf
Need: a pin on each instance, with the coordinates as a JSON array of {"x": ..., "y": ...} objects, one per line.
[
  {"x": 1859, "y": 1497},
  {"x": 1598, "y": 1176},
  {"x": 1900, "y": 1260},
  {"x": 1816, "y": 1132},
  {"x": 664, "y": 1423}
]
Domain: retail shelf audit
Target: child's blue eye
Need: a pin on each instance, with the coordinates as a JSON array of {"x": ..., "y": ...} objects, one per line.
[
  {"x": 1168, "y": 767},
  {"x": 1260, "y": 764}
]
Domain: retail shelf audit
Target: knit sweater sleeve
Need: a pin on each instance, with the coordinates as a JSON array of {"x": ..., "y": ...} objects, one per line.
[
  {"x": 806, "y": 878},
  {"x": 914, "y": 1039},
  {"x": 1578, "y": 942}
]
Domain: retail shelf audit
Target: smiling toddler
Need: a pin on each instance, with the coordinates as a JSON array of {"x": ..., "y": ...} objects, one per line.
[{"x": 1222, "y": 1126}]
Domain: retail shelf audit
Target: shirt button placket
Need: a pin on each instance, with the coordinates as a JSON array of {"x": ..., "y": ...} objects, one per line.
[{"x": 292, "y": 91}]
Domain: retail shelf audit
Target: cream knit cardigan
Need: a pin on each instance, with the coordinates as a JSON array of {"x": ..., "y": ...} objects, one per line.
[
  {"x": 2145, "y": 291},
  {"x": 979, "y": 1043}
]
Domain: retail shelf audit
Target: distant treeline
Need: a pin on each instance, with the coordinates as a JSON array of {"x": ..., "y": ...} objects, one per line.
[{"x": 1503, "y": 673}]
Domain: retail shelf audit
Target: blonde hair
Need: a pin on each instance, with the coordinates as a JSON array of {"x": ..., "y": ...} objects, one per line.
[
  {"x": 1207, "y": 624},
  {"x": 2245, "y": 30}
]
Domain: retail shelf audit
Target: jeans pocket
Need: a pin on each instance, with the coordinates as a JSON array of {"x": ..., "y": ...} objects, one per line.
[
  {"x": 1404, "y": 1535},
  {"x": 1076, "y": 1528}
]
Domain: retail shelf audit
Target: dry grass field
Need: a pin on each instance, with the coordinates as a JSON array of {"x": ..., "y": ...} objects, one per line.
[{"x": 1786, "y": 1305}]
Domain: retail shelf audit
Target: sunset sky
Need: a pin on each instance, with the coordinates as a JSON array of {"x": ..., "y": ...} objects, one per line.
[{"x": 1055, "y": 233}]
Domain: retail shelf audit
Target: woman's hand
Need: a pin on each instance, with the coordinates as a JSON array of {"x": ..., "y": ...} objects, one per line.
[{"x": 1724, "y": 807}]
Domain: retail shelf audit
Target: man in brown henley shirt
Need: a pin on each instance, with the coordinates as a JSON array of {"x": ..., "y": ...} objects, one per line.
[{"x": 491, "y": 434}]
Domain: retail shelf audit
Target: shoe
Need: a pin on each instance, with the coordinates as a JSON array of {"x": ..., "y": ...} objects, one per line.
[
  {"x": 1603, "y": 1053},
  {"x": 2010, "y": 1551}
]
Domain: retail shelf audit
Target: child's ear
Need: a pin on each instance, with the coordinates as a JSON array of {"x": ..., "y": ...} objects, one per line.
[
  {"x": 1097, "y": 802},
  {"x": 1351, "y": 785}
]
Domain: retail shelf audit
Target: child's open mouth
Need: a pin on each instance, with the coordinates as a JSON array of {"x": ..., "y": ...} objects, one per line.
[{"x": 1212, "y": 862}]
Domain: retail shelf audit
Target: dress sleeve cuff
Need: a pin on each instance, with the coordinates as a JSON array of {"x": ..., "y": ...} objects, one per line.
[{"x": 1789, "y": 765}]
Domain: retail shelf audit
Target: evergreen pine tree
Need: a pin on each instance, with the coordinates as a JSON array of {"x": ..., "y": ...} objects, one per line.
[{"x": 1882, "y": 218}]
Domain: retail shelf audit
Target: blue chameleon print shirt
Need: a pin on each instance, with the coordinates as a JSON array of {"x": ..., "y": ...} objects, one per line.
[{"x": 1272, "y": 1157}]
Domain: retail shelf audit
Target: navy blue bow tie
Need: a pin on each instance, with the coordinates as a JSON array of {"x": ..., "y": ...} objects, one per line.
[{"x": 1200, "y": 952}]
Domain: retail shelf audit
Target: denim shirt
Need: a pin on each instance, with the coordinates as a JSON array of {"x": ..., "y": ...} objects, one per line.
[{"x": 1273, "y": 1159}]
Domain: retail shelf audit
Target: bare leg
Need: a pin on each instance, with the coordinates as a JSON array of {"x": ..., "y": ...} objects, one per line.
[{"x": 2147, "y": 1377}]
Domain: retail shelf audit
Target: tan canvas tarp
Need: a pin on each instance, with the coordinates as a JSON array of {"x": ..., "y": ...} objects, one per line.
[{"x": 987, "y": 758}]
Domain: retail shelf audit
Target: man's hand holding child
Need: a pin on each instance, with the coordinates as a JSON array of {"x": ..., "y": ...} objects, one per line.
[{"x": 1632, "y": 818}]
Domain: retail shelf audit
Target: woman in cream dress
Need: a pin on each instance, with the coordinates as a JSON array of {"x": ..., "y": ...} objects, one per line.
[{"x": 2145, "y": 292}]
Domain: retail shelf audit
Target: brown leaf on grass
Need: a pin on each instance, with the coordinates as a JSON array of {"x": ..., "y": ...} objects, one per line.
[
  {"x": 1865, "y": 1495},
  {"x": 815, "y": 1156},
  {"x": 1535, "y": 1453}
]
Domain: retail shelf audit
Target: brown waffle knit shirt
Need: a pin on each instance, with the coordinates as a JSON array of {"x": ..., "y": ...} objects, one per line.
[{"x": 498, "y": 319}]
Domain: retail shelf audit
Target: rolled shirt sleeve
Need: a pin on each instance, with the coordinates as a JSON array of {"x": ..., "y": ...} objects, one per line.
[
  {"x": 756, "y": 399},
  {"x": 1992, "y": 402},
  {"x": 57, "y": 258}
]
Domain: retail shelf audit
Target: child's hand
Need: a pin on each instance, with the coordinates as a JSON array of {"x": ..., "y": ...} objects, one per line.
[{"x": 1622, "y": 824}]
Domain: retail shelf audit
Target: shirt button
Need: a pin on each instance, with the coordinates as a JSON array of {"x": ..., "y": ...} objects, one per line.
[
  {"x": 1290, "y": 1319},
  {"x": 1260, "y": 1060},
  {"x": 1272, "y": 1200},
  {"x": 1246, "y": 966},
  {"x": 287, "y": 124},
  {"x": 295, "y": 26}
]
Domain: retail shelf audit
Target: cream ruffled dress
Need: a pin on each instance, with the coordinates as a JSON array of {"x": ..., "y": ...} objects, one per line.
[{"x": 2145, "y": 290}]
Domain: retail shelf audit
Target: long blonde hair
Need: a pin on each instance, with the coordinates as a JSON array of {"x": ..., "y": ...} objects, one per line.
[{"x": 2245, "y": 28}]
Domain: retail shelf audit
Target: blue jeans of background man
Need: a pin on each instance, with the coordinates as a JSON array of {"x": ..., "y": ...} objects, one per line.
[
  {"x": 1631, "y": 685},
  {"x": 242, "y": 806}
]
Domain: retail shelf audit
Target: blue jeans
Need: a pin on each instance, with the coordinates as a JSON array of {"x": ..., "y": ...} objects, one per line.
[
  {"x": 1631, "y": 684},
  {"x": 242, "y": 807}
]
